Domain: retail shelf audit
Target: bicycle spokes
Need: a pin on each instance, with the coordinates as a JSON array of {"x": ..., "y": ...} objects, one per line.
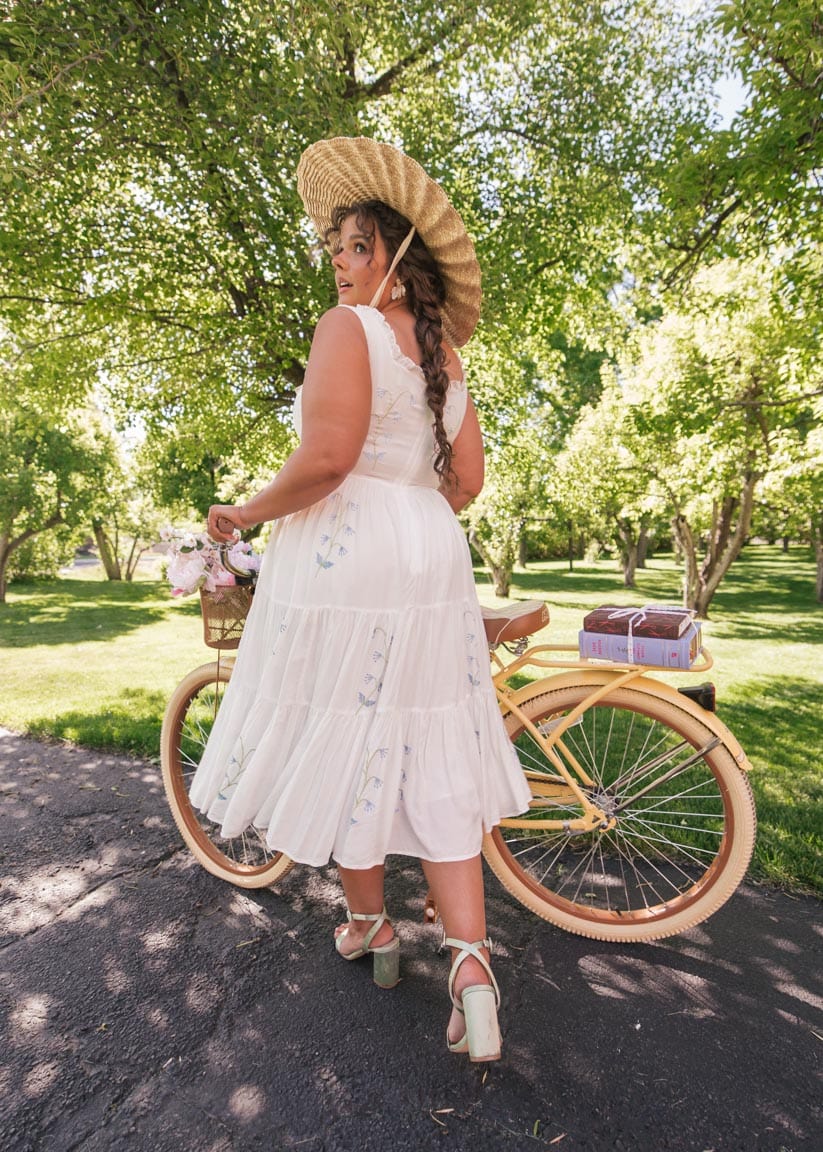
[{"x": 662, "y": 786}]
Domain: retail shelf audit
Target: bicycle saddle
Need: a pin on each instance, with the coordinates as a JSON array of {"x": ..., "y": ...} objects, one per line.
[{"x": 514, "y": 621}]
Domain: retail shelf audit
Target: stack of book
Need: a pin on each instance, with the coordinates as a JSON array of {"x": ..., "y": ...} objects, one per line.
[{"x": 664, "y": 635}]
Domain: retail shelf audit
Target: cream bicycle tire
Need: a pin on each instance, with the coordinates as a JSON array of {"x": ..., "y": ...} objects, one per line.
[
  {"x": 243, "y": 860},
  {"x": 678, "y": 850}
]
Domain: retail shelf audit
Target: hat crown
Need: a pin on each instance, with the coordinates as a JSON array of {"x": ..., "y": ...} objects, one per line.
[{"x": 346, "y": 170}]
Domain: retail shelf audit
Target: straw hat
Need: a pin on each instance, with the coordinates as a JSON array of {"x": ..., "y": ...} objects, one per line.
[{"x": 346, "y": 169}]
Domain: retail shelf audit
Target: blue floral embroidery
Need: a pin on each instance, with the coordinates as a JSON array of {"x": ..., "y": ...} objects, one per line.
[
  {"x": 471, "y": 654},
  {"x": 407, "y": 751},
  {"x": 235, "y": 770},
  {"x": 330, "y": 540},
  {"x": 368, "y": 780},
  {"x": 379, "y": 435},
  {"x": 282, "y": 628},
  {"x": 374, "y": 681}
]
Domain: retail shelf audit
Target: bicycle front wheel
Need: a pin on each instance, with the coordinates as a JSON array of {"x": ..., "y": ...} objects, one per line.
[
  {"x": 244, "y": 860},
  {"x": 684, "y": 819}
]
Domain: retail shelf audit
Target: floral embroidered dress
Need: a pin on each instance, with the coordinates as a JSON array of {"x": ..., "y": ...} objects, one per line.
[{"x": 360, "y": 719}]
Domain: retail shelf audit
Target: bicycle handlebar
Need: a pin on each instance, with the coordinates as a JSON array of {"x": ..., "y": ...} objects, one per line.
[{"x": 241, "y": 573}]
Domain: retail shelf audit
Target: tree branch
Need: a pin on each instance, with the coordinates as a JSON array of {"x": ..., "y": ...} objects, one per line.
[
  {"x": 773, "y": 403},
  {"x": 701, "y": 242},
  {"x": 383, "y": 84},
  {"x": 761, "y": 44},
  {"x": 33, "y": 95},
  {"x": 16, "y": 541}
]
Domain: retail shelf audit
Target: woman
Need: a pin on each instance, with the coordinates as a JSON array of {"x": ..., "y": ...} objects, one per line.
[{"x": 361, "y": 719}]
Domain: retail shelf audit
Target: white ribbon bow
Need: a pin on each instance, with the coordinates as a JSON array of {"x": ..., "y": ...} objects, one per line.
[{"x": 638, "y": 615}]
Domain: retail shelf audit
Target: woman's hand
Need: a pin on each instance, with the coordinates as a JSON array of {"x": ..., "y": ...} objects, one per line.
[{"x": 225, "y": 521}]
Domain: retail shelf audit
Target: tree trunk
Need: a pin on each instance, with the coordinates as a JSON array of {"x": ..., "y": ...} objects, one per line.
[
  {"x": 629, "y": 566},
  {"x": 522, "y": 551},
  {"x": 628, "y": 552},
  {"x": 501, "y": 574},
  {"x": 5, "y": 552},
  {"x": 133, "y": 559},
  {"x": 8, "y": 545},
  {"x": 642, "y": 547},
  {"x": 731, "y": 522},
  {"x": 688, "y": 552},
  {"x": 108, "y": 554},
  {"x": 502, "y": 581}
]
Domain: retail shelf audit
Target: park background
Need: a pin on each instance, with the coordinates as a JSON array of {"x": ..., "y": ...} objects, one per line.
[{"x": 647, "y": 367}]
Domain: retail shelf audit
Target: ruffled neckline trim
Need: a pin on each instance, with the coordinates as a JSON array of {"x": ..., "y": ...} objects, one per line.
[{"x": 398, "y": 355}]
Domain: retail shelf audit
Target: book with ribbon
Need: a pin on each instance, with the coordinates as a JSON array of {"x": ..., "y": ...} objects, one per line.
[{"x": 659, "y": 621}]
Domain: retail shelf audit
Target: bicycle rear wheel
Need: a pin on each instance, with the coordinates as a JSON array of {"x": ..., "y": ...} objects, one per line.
[
  {"x": 683, "y": 810},
  {"x": 244, "y": 860}
]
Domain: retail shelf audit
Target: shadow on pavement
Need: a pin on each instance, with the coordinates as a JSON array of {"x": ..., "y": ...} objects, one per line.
[{"x": 149, "y": 1006}]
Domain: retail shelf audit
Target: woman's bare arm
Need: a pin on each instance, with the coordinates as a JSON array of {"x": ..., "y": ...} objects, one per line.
[{"x": 336, "y": 406}]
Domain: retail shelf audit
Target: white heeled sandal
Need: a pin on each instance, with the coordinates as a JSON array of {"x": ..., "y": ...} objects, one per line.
[
  {"x": 478, "y": 1003},
  {"x": 386, "y": 957}
]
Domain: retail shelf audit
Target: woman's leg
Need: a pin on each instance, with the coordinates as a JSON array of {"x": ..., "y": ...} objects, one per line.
[
  {"x": 364, "y": 893},
  {"x": 457, "y": 887}
]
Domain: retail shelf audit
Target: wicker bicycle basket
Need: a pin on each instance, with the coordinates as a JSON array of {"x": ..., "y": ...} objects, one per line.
[{"x": 224, "y": 614}]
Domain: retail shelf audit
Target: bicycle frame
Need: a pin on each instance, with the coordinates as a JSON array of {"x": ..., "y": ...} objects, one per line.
[{"x": 602, "y": 678}]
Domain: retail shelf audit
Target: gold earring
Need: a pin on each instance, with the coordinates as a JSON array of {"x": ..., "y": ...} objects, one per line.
[{"x": 399, "y": 290}]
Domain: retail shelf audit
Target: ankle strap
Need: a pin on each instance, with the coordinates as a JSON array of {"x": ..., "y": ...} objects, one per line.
[
  {"x": 467, "y": 950},
  {"x": 377, "y": 918}
]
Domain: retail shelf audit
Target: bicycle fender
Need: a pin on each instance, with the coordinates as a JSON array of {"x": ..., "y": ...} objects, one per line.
[{"x": 648, "y": 686}]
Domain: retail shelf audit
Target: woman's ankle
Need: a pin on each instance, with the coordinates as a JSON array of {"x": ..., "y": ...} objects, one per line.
[
  {"x": 357, "y": 931},
  {"x": 470, "y": 972}
]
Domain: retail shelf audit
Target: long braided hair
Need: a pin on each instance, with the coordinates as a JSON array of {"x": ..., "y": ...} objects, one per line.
[{"x": 426, "y": 294}]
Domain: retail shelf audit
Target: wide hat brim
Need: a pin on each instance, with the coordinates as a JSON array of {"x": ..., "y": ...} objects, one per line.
[{"x": 348, "y": 169}]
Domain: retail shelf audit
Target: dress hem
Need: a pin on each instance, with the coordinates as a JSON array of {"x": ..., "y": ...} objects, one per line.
[{"x": 332, "y": 859}]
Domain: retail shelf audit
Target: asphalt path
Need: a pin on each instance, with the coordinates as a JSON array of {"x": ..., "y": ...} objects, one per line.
[{"x": 149, "y": 1007}]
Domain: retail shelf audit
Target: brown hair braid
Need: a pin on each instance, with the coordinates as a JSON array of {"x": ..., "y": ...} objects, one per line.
[{"x": 426, "y": 293}]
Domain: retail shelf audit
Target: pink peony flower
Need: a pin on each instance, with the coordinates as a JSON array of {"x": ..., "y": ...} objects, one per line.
[
  {"x": 186, "y": 572},
  {"x": 218, "y": 577}
]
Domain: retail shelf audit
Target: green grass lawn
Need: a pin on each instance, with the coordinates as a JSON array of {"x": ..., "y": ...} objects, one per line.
[{"x": 94, "y": 663}]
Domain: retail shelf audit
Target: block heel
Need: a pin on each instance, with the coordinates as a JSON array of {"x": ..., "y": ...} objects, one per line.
[
  {"x": 386, "y": 971},
  {"x": 478, "y": 1003},
  {"x": 387, "y": 964},
  {"x": 482, "y": 1029}
]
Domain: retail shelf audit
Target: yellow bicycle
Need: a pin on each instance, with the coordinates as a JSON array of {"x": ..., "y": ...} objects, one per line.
[{"x": 641, "y": 822}]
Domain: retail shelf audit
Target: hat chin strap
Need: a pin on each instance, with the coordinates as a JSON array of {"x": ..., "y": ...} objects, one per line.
[{"x": 401, "y": 252}]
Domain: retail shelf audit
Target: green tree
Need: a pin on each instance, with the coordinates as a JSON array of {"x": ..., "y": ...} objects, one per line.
[
  {"x": 518, "y": 453},
  {"x": 125, "y": 518},
  {"x": 757, "y": 182},
  {"x": 602, "y": 474},
  {"x": 148, "y": 152},
  {"x": 51, "y": 474},
  {"x": 792, "y": 492},
  {"x": 497, "y": 519},
  {"x": 718, "y": 390}
]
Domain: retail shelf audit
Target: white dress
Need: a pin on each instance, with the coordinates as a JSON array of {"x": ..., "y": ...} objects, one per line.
[{"x": 360, "y": 719}]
